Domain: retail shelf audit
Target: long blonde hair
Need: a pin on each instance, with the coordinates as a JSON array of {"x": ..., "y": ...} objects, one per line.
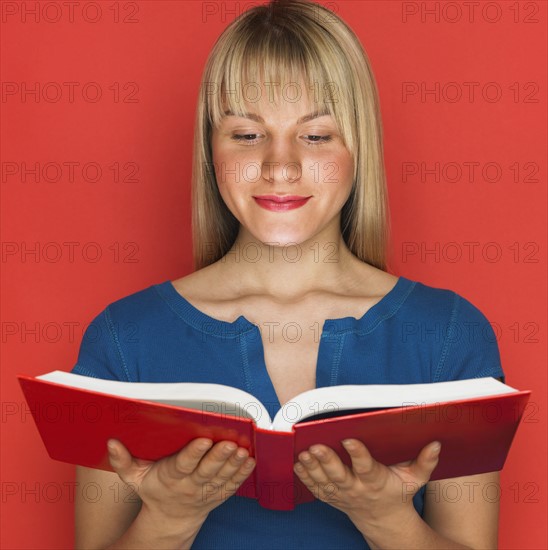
[{"x": 281, "y": 39}]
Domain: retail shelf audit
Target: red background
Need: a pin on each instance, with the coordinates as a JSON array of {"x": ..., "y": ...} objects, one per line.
[{"x": 482, "y": 235}]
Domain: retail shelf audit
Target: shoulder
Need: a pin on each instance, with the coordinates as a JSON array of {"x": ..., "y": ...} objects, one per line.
[
  {"x": 466, "y": 344},
  {"x": 137, "y": 308},
  {"x": 441, "y": 304},
  {"x": 200, "y": 284},
  {"x": 137, "y": 302}
]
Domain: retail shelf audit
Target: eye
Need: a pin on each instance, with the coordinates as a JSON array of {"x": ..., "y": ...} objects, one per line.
[
  {"x": 317, "y": 140},
  {"x": 252, "y": 139},
  {"x": 247, "y": 139}
]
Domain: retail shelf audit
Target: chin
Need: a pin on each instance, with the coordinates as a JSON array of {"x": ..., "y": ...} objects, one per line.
[{"x": 277, "y": 239}]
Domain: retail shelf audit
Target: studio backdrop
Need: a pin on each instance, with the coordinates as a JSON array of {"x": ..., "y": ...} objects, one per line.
[{"x": 97, "y": 118}]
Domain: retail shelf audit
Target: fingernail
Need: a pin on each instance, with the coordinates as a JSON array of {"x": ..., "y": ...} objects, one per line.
[
  {"x": 112, "y": 448},
  {"x": 241, "y": 454},
  {"x": 229, "y": 448},
  {"x": 204, "y": 445},
  {"x": 436, "y": 448},
  {"x": 348, "y": 443},
  {"x": 317, "y": 452}
]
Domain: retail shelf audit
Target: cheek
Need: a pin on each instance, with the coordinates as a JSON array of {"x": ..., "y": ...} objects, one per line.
[
  {"x": 345, "y": 166},
  {"x": 335, "y": 174},
  {"x": 221, "y": 165},
  {"x": 216, "y": 151},
  {"x": 231, "y": 167}
]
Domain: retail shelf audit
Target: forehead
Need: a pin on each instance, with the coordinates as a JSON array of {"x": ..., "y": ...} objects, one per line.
[
  {"x": 259, "y": 100},
  {"x": 278, "y": 115}
]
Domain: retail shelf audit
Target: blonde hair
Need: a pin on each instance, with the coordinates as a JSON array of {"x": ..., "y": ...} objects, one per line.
[{"x": 295, "y": 39}]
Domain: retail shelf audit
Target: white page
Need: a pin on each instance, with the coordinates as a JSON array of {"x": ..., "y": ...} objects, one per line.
[
  {"x": 339, "y": 398},
  {"x": 203, "y": 397},
  {"x": 235, "y": 402}
]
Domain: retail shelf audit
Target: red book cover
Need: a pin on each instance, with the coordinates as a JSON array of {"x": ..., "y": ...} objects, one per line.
[{"x": 75, "y": 424}]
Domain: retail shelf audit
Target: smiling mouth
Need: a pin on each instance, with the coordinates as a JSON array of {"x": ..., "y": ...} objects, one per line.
[
  {"x": 281, "y": 198},
  {"x": 281, "y": 204}
]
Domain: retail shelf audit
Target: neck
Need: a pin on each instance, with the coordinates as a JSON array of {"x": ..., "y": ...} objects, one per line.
[{"x": 288, "y": 272}]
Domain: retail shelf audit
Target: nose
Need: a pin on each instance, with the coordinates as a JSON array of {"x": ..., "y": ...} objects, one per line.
[{"x": 280, "y": 163}]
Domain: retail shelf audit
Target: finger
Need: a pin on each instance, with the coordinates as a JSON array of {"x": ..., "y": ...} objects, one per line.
[
  {"x": 363, "y": 464},
  {"x": 184, "y": 462},
  {"x": 422, "y": 467},
  {"x": 232, "y": 465},
  {"x": 332, "y": 465},
  {"x": 213, "y": 462},
  {"x": 245, "y": 469},
  {"x": 218, "y": 471},
  {"x": 228, "y": 486},
  {"x": 123, "y": 462},
  {"x": 323, "y": 490},
  {"x": 304, "y": 476},
  {"x": 242, "y": 474},
  {"x": 313, "y": 467}
]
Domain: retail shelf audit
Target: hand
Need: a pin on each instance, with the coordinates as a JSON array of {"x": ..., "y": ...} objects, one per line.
[
  {"x": 187, "y": 484},
  {"x": 369, "y": 492}
]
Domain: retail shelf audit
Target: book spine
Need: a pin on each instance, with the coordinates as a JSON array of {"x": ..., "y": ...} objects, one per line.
[{"x": 275, "y": 484}]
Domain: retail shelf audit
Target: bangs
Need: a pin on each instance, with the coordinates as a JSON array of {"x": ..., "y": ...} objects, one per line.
[{"x": 273, "y": 60}]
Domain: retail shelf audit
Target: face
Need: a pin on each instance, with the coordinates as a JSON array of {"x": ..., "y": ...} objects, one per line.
[{"x": 290, "y": 152}]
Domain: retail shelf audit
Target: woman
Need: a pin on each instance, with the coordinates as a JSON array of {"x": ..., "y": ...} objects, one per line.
[{"x": 290, "y": 293}]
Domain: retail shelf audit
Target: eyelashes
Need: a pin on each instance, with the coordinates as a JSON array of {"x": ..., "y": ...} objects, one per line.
[{"x": 245, "y": 139}]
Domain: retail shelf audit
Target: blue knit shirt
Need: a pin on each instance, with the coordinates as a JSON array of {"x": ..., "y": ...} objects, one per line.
[{"x": 414, "y": 334}]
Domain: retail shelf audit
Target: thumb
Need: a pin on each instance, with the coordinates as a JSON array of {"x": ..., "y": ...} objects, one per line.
[
  {"x": 425, "y": 463},
  {"x": 120, "y": 459}
]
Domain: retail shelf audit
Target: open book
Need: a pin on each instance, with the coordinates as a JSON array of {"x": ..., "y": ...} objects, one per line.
[{"x": 475, "y": 420}]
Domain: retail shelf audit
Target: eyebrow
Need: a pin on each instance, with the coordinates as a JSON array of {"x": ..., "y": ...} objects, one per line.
[{"x": 302, "y": 120}]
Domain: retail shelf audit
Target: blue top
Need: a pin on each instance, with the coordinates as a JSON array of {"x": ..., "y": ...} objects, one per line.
[{"x": 414, "y": 334}]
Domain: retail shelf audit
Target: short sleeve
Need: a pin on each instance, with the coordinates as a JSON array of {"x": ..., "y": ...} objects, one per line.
[
  {"x": 100, "y": 354},
  {"x": 470, "y": 348}
]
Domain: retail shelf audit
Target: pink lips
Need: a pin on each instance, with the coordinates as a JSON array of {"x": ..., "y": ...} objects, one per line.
[{"x": 282, "y": 203}]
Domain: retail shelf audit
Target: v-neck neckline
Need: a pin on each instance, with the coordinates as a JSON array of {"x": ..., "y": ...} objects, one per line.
[
  {"x": 206, "y": 323},
  {"x": 257, "y": 379}
]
